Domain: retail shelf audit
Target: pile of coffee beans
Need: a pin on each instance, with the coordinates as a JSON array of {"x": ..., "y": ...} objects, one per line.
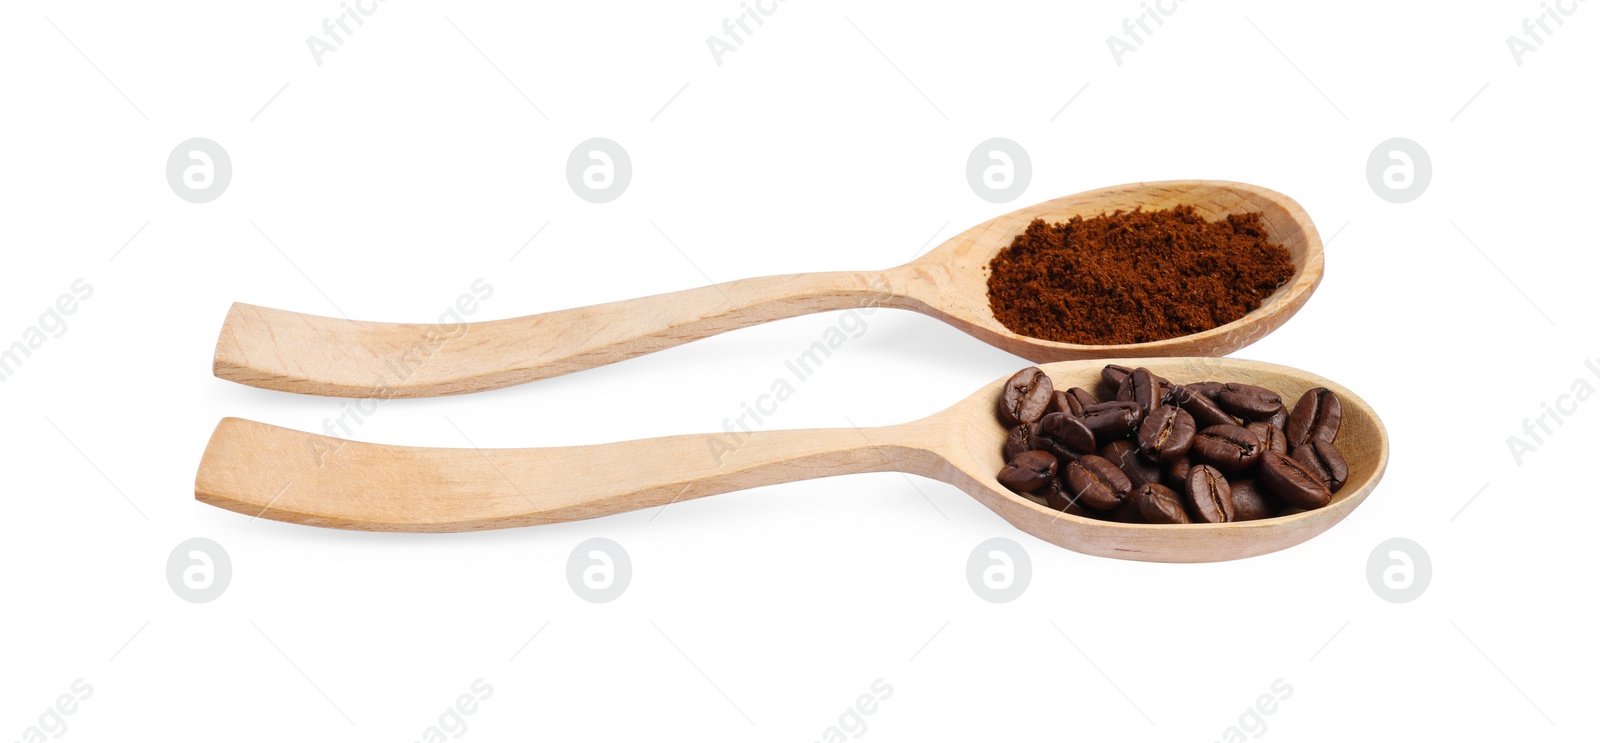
[{"x": 1163, "y": 453}]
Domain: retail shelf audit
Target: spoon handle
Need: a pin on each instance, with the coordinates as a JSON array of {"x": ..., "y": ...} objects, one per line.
[
  {"x": 278, "y": 473},
  {"x": 314, "y": 355}
]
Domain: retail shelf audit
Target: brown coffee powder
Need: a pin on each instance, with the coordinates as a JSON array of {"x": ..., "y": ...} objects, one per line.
[{"x": 1134, "y": 277}]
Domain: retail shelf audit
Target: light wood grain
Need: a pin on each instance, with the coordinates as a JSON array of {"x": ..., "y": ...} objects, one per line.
[
  {"x": 278, "y": 473},
  {"x": 316, "y": 355}
]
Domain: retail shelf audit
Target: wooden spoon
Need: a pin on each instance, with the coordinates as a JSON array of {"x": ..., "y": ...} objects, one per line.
[
  {"x": 314, "y": 355},
  {"x": 304, "y": 478}
]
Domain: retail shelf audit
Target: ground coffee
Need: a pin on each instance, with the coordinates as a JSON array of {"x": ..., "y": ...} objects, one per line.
[{"x": 1134, "y": 277}]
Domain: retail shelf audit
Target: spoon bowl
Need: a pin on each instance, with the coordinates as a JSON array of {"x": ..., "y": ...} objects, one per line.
[
  {"x": 1362, "y": 439},
  {"x": 277, "y": 473},
  {"x": 309, "y": 354}
]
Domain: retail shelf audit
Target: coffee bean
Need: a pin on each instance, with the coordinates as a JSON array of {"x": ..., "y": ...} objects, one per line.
[
  {"x": 1112, "y": 375},
  {"x": 1142, "y": 389},
  {"x": 1209, "y": 495},
  {"x": 1166, "y": 390},
  {"x": 1061, "y": 402},
  {"x": 1064, "y": 436},
  {"x": 1056, "y": 497},
  {"x": 1096, "y": 482},
  {"x": 1176, "y": 473},
  {"x": 1029, "y": 471},
  {"x": 1125, "y": 455},
  {"x": 1026, "y": 396},
  {"x": 1158, "y": 504},
  {"x": 1110, "y": 420},
  {"x": 1248, "y": 400},
  {"x": 1018, "y": 440},
  {"x": 1124, "y": 391},
  {"x": 1159, "y": 392},
  {"x": 1250, "y": 502},
  {"x": 1316, "y": 416},
  {"x": 1166, "y": 433},
  {"x": 1272, "y": 437},
  {"x": 1279, "y": 418},
  {"x": 1291, "y": 481},
  {"x": 1326, "y": 462},
  {"x": 1127, "y": 512},
  {"x": 1228, "y": 448},
  {"x": 1208, "y": 390},
  {"x": 1205, "y": 411},
  {"x": 1051, "y": 491},
  {"x": 1085, "y": 398}
]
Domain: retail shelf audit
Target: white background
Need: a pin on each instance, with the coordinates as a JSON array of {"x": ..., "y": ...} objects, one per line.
[{"x": 406, "y": 166}]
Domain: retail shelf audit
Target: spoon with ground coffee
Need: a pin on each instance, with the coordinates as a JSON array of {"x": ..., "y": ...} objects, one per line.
[
  {"x": 309, "y": 354},
  {"x": 277, "y": 473}
]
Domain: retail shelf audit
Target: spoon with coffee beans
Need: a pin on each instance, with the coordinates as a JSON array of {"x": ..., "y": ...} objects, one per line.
[
  {"x": 1169, "y": 460},
  {"x": 310, "y": 354}
]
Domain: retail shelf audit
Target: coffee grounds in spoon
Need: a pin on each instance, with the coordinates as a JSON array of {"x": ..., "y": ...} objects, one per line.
[{"x": 1134, "y": 277}]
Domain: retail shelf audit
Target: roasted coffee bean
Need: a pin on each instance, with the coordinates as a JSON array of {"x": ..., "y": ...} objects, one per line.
[
  {"x": 1026, "y": 396},
  {"x": 1125, "y": 455},
  {"x": 1158, "y": 504},
  {"x": 1096, "y": 482},
  {"x": 1125, "y": 390},
  {"x": 1085, "y": 397},
  {"x": 1209, "y": 390},
  {"x": 1325, "y": 461},
  {"x": 1166, "y": 433},
  {"x": 1292, "y": 481},
  {"x": 1141, "y": 388},
  {"x": 1064, "y": 436},
  {"x": 1228, "y": 448},
  {"x": 1061, "y": 402},
  {"x": 1205, "y": 411},
  {"x": 1051, "y": 486},
  {"x": 1167, "y": 389},
  {"x": 1127, "y": 512},
  {"x": 1249, "y": 401},
  {"x": 1272, "y": 437},
  {"x": 1112, "y": 375},
  {"x": 1055, "y": 496},
  {"x": 1030, "y": 471},
  {"x": 1250, "y": 502},
  {"x": 1316, "y": 416},
  {"x": 1111, "y": 420},
  {"x": 1209, "y": 495},
  {"x": 1176, "y": 473},
  {"x": 1279, "y": 418},
  {"x": 1018, "y": 440}
]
